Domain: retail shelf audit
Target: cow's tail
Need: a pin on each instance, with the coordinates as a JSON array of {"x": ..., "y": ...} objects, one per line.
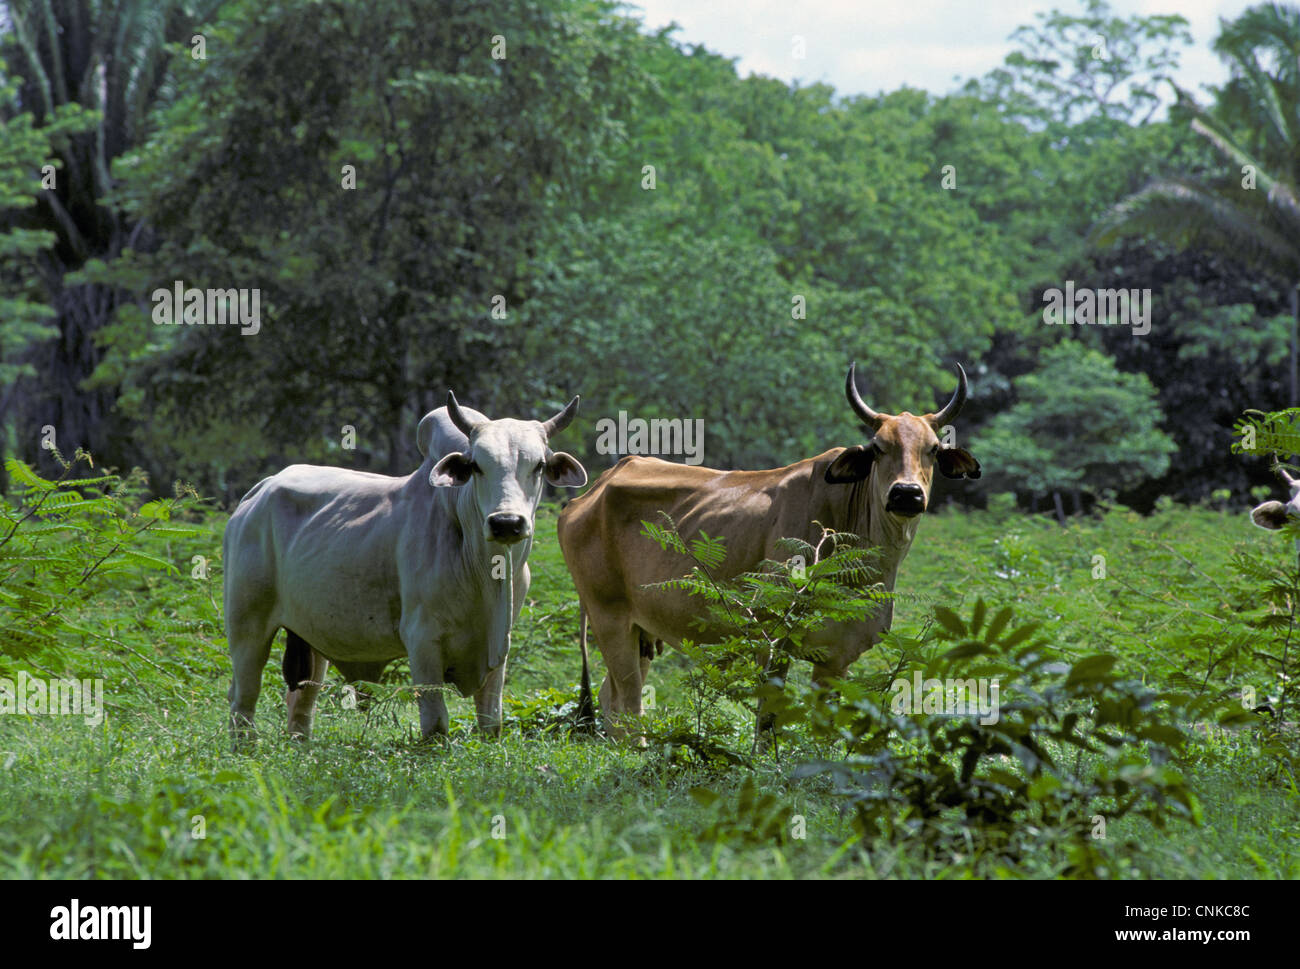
[
  {"x": 297, "y": 659},
  {"x": 585, "y": 718}
]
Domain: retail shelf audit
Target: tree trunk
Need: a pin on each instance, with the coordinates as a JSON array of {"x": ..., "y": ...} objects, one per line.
[
  {"x": 78, "y": 416},
  {"x": 1060, "y": 507}
]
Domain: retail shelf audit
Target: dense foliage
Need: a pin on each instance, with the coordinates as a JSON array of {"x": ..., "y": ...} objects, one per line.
[{"x": 526, "y": 200}]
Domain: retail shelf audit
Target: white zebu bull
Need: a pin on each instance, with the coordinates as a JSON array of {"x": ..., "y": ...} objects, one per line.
[{"x": 361, "y": 569}]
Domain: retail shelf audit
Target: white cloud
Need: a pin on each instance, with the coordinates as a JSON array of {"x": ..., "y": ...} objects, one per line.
[{"x": 864, "y": 48}]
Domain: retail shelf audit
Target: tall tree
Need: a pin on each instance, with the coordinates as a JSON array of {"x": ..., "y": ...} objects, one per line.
[
  {"x": 1079, "y": 427},
  {"x": 381, "y": 172},
  {"x": 1250, "y": 208},
  {"x": 26, "y": 162},
  {"x": 108, "y": 57},
  {"x": 1069, "y": 69}
]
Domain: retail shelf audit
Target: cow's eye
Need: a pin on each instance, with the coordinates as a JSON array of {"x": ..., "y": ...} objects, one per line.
[
  {"x": 934, "y": 451},
  {"x": 541, "y": 466},
  {"x": 474, "y": 468},
  {"x": 875, "y": 446}
]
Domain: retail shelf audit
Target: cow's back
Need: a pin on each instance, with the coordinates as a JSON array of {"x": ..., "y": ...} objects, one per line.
[
  {"x": 314, "y": 549},
  {"x": 612, "y": 561}
]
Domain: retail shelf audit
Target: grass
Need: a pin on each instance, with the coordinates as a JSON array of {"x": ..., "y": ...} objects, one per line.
[{"x": 127, "y": 798}]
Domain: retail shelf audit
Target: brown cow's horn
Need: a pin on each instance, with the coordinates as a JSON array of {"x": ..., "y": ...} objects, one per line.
[
  {"x": 865, "y": 413},
  {"x": 954, "y": 406},
  {"x": 561, "y": 420},
  {"x": 463, "y": 423}
]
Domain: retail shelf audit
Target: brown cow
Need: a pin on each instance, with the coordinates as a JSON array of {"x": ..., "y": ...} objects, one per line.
[{"x": 876, "y": 491}]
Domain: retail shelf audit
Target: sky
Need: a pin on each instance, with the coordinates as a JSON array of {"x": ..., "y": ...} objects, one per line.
[{"x": 869, "y": 46}]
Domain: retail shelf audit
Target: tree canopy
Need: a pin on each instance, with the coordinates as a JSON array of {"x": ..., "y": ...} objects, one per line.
[{"x": 521, "y": 201}]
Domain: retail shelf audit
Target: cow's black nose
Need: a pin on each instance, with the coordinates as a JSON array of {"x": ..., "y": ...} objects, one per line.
[
  {"x": 507, "y": 528},
  {"x": 906, "y": 499}
]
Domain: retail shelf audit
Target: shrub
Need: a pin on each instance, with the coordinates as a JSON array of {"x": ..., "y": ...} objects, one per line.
[
  {"x": 1001, "y": 780},
  {"x": 61, "y": 540}
]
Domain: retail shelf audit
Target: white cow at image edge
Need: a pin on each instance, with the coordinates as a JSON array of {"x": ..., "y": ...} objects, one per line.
[
  {"x": 1274, "y": 514},
  {"x": 361, "y": 569}
]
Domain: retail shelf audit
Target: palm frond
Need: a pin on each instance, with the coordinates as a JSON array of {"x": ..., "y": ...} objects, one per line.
[
  {"x": 1186, "y": 213},
  {"x": 1280, "y": 195}
]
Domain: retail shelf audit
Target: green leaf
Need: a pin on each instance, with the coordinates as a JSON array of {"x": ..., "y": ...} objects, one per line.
[
  {"x": 1020, "y": 635},
  {"x": 950, "y": 621},
  {"x": 1042, "y": 786},
  {"x": 1163, "y": 734},
  {"x": 1000, "y": 620},
  {"x": 704, "y": 796},
  {"x": 1090, "y": 668},
  {"x": 23, "y": 473},
  {"x": 144, "y": 558},
  {"x": 158, "y": 508}
]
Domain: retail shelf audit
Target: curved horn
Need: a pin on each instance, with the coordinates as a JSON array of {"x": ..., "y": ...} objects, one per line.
[
  {"x": 865, "y": 413},
  {"x": 463, "y": 423},
  {"x": 561, "y": 420},
  {"x": 954, "y": 406},
  {"x": 1281, "y": 473}
]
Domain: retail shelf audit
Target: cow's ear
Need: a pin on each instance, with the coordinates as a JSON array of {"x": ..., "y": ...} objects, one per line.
[
  {"x": 1271, "y": 514},
  {"x": 853, "y": 464},
  {"x": 957, "y": 462},
  {"x": 564, "y": 471},
  {"x": 454, "y": 469}
]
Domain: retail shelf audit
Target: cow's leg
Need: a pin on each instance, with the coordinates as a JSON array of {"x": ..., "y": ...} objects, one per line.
[
  {"x": 620, "y": 692},
  {"x": 487, "y": 702},
  {"x": 605, "y": 696},
  {"x": 765, "y": 727},
  {"x": 424, "y": 651},
  {"x": 301, "y": 702},
  {"x": 427, "y": 672},
  {"x": 648, "y": 646},
  {"x": 250, "y": 647}
]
